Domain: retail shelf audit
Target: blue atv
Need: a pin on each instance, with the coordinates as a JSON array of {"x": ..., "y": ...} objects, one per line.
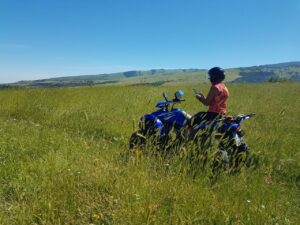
[
  {"x": 160, "y": 124},
  {"x": 170, "y": 127}
]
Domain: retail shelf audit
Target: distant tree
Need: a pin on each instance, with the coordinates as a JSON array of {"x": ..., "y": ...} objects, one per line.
[
  {"x": 90, "y": 83},
  {"x": 279, "y": 79},
  {"x": 4, "y": 86}
]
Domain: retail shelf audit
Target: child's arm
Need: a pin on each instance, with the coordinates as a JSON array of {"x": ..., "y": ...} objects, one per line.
[{"x": 206, "y": 101}]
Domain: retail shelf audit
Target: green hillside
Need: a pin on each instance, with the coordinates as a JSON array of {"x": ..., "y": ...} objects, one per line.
[
  {"x": 157, "y": 77},
  {"x": 257, "y": 74}
]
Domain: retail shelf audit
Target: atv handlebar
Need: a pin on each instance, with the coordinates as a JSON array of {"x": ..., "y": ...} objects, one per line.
[{"x": 178, "y": 100}]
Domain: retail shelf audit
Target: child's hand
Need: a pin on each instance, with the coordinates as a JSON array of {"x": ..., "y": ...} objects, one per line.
[{"x": 199, "y": 96}]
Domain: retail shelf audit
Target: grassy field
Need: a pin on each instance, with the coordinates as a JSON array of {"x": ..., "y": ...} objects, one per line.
[{"x": 61, "y": 161}]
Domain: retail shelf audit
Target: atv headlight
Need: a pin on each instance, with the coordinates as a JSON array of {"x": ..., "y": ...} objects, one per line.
[{"x": 179, "y": 94}]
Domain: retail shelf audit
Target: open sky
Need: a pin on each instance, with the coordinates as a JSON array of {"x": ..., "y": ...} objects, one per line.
[{"x": 51, "y": 38}]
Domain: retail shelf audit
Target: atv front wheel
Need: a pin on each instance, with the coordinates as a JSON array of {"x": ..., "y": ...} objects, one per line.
[{"x": 137, "y": 140}]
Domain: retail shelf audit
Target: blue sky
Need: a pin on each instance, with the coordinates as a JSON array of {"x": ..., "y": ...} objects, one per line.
[{"x": 51, "y": 38}]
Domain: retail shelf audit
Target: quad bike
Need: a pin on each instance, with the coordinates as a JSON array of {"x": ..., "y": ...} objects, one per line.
[{"x": 170, "y": 128}]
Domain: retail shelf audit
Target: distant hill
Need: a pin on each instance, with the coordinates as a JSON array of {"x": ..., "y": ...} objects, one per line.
[
  {"x": 254, "y": 74},
  {"x": 257, "y": 74}
]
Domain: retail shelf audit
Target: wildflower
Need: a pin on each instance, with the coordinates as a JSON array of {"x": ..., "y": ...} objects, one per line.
[
  {"x": 249, "y": 201},
  {"x": 96, "y": 216},
  {"x": 263, "y": 206}
]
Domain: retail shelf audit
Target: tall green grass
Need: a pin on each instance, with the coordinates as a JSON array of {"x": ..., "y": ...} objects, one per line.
[{"x": 61, "y": 161}]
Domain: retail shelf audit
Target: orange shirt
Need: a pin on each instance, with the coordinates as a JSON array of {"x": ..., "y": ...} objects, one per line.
[{"x": 219, "y": 102}]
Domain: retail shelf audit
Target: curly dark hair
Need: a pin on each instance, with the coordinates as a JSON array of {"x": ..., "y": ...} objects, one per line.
[{"x": 216, "y": 75}]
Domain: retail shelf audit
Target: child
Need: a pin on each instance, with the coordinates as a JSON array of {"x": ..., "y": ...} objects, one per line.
[{"x": 216, "y": 99}]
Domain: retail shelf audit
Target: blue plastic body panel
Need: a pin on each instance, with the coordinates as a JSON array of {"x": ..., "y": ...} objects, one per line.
[{"x": 162, "y": 104}]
